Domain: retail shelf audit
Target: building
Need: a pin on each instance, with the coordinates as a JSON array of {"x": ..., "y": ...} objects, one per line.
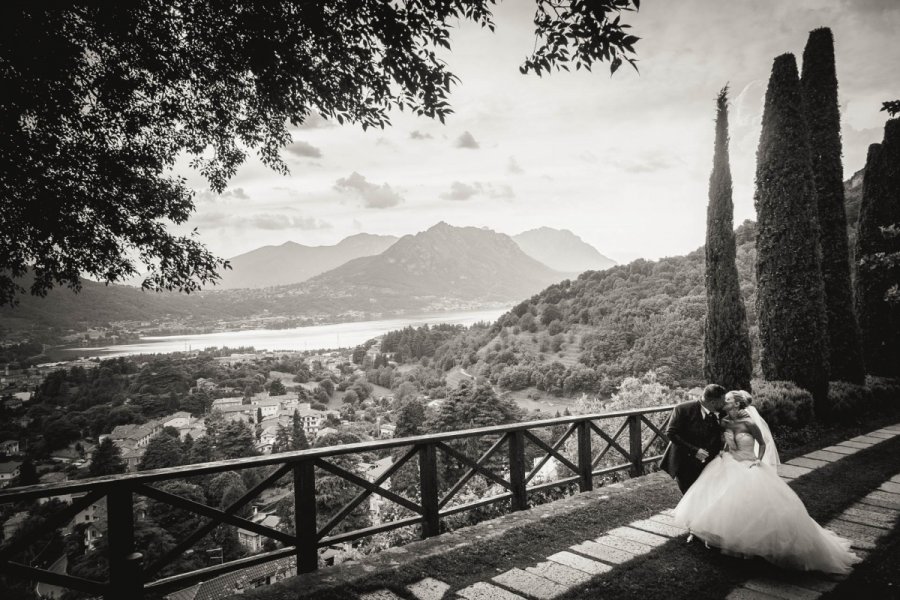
[
  {"x": 253, "y": 542},
  {"x": 9, "y": 470},
  {"x": 269, "y": 407},
  {"x": 9, "y": 447},
  {"x": 238, "y": 582},
  {"x": 12, "y": 525},
  {"x": 221, "y": 403}
]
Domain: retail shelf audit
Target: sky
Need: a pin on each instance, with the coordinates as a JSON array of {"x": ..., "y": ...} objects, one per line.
[{"x": 621, "y": 161}]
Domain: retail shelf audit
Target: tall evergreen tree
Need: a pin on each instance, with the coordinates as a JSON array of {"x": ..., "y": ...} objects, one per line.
[
  {"x": 823, "y": 118},
  {"x": 876, "y": 274},
  {"x": 790, "y": 303},
  {"x": 298, "y": 435},
  {"x": 726, "y": 346},
  {"x": 106, "y": 460}
]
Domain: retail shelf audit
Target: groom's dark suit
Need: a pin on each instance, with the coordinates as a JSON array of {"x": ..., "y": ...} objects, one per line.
[{"x": 688, "y": 431}]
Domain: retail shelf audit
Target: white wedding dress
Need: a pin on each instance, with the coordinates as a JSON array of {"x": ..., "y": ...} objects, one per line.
[{"x": 750, "y": 511}]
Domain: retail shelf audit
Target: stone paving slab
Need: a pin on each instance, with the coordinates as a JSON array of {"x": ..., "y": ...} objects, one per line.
[
  {"x": 591, "y": 567},
  {"x": 885, "y": 499},
  {"x": 559, "y": 573},
  {"x": 863, "y": 532},
  {"x": 810, "y": 581},
  {"x": 668, "y": 511},
  {"x": 884, "y": 519},
  {"x": 884, "y": 510},
  {"x": 866, "y": 439},
  {"x": 824, "y": 455},
  {"x": 667, "y": 519},
  {"x": 486, "y": 591},
  {"x": 780, "y": 589},
  {"x": 607, "y": 554},
  {"x": 380, "y": 595},
  {"x": 428, "y": 589},
  {"x": 650, "y": 539},
  {"x": 742, "y": 593},
  {"x": 627, "y": 545},
  {"x": 529, "y": 584},
  {"x": 845, "y": 450},
  {"x": 807, "y": 462},
  {"x": 895, "y": 479},
  {"x": 865, "y": 520},
  {"x": 895, "y": 429},
  {"x": 791, "y": 471},
  {"x": 658, "y": 528},
  {"x": 890, "y": 486},
  {"x": 857, "y": 445},
  {"x": 881, "y": 434}
]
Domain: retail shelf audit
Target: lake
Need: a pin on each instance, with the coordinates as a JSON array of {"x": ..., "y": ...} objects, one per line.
[{"x": 315, "y": 337}]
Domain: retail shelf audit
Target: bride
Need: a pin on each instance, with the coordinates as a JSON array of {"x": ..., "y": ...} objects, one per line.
[{"x": 741, "y": 505}]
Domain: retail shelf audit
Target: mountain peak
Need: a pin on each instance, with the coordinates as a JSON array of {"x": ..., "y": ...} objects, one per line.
[{"x": 562, "y": 250}]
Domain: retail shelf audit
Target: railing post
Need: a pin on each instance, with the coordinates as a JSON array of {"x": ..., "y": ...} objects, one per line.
[
  {"x": 428, "y": 481},
  {"x": 125, "y": 577},
  {"x": 517, "y": 469},
  {"x": 585, "y": 458},
  {"x": 636, "y": 449},
  {"x": 305, "y": 527}
]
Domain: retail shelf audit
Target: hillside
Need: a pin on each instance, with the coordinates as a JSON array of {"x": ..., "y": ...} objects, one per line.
[
  {"x": 444, "y": 262},
  {"x": 562, "y": 250},
  {"x": 294, "y": 263}
]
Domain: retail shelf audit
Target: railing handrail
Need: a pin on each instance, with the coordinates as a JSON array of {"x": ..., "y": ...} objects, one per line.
[{"x": 44, "y": 490}]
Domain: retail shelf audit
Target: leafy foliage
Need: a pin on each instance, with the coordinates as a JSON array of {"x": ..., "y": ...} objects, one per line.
[
  {"x": 103, "y": 99},
  {"x": 820, "y": 99},
  {"x": 791, "y": 300},
  {"x": 727, "y": 358},
  {"x": 878, "y": 255},
  {"x": 106, "y": 460},
  {"x": 892, "y": 107}
]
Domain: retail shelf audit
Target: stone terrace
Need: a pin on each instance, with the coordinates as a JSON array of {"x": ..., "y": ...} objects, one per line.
[{"x": 544, "y": 570}]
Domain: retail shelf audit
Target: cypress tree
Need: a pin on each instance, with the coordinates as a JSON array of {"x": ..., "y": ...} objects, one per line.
[
  {"x": 823, "y": 118},
  {"x": 880, "y": 207},
  {"x": 790, "y": 303},
  {"x": 726, "y": 344}
]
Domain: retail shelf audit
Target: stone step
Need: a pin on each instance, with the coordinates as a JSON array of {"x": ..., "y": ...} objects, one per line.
[
  {"x": 884, "y": 510},
  {"x": 607, "y": 554},
  {"x": 857, "y": 445},
  {"x": 428, "y": 589},
  {"x": 863, "y": 515},
  {"x": 530, "y": 585},
  {"x": 866, "y": 439},
  {"x": 780, "y": 589},
  {"x": 576, "y": 561},
  {"x": 658, "y": 528},
  {"x": 884, "y": 499},
  {"x": 882, "y": 435},
  {"x": 841, "y": 450},
  {"x": 806, "y": 462},
  {"x": 486, "y": 591},
  {"x": 824, "y": 455},
  {"x": 650, "y": 539},
  {"x": 791, "y": 471},
  {"x": 667, "y": 519},
  {"x": 890, "y": 486},
  {"x": 856, "y": 531},
  {"x": 380, "y": 595},
  {"x": 559, "y": 573},
  {"x": 630, "y": 546},
  {"x": 742, "y": 593}
]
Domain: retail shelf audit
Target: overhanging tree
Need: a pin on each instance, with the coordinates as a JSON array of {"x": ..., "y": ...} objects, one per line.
[
  {"x": 790, "y": 300},
  {"x": 823, "y": 118},
  {"x": 100, "y": 101},
  {"x": 878, "y": 255},
  {"x": 726, "y": 344}
]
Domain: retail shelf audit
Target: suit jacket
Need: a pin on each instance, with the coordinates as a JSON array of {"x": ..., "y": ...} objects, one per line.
[{"x": 687, "y": 432}]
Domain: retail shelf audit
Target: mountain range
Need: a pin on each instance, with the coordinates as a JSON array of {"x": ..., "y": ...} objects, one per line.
[
  {"x": 562, "y": 250},
  {"x": 444, "y": 267}
]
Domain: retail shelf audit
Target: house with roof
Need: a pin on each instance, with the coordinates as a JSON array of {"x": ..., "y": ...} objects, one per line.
[
  {"x": 9, "y": 447},
  {"x": 9, "y": 470},
  {"x": 220, "y": 403},
  {"x": 253, "y": 542},
  {"x": 237, "y": 582}
]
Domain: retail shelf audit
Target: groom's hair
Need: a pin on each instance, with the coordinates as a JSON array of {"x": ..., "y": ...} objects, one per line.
[{"x": 713, "y": 392}]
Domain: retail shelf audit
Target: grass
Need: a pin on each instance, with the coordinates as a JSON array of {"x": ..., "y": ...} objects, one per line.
[{"x": 674, "y": 570}]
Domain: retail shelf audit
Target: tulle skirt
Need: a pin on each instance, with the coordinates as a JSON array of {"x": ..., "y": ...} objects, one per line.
[{"x": 752, "y": 512}]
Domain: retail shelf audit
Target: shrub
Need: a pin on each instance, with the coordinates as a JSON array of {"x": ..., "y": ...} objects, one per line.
[
  {"x": 782, "y": 404},
  {"x": 885, "y": 392},
  {"x": 849, "y": 400}
]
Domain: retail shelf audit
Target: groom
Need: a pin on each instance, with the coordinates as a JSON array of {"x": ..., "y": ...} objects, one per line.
[{"x": 695, "y": 437}]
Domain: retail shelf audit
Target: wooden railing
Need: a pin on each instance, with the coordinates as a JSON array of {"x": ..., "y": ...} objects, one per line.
[{"x": 129, "y": 577}]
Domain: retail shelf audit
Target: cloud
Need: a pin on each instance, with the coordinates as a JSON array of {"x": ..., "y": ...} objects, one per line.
[
  {"x": 646, "y": 163},
  {"x": 210, "y": 196},
  {"x": 304, "y": 149},
  {"x": 418, "y": 135},
  {"x": 513, "y": 167},
  {"x": 460, "y": 191},
  {"x": 372, "y": 195},
  {"x": 265, "y": 221},
  {"x": 315, "y": 121},
  {"x": 466, "y": 140}
]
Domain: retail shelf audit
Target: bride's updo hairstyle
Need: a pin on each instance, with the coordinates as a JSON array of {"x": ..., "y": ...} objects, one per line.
[{"x": 740, "y": 398}]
